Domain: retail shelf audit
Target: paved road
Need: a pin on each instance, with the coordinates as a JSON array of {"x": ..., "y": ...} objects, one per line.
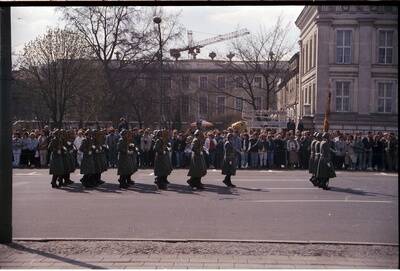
[{"x": 266, "y": 205}]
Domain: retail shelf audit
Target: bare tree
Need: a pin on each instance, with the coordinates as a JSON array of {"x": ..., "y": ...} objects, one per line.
[
  {"x": 54, "y": 67},
  {"x": 261, "y": 55},
  {"x": 122, "y": 39}
]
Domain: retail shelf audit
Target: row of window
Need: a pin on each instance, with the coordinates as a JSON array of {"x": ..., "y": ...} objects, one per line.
[
  {"x": 203, "y": 82},
  {"x": 344, "y": 46},
  {"x": 221, "y": 104},
  {"x": 385, "y": 97}
]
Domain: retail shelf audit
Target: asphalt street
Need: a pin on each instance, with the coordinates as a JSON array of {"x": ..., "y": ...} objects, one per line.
[{"x": 266, "y": 205}]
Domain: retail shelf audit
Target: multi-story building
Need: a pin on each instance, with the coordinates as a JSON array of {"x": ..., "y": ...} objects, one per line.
[
  {"x": 288, "y": 89},
  {"x": 355, "y": 49}
]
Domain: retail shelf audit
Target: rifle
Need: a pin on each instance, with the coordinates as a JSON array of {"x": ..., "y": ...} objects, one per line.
[{"x": 328, "y": 109}]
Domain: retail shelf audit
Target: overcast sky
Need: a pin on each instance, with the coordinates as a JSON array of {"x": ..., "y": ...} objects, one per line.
[{"x": 205, "y": 21}]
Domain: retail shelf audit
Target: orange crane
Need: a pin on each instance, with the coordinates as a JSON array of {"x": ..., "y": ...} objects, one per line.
[{"x": 193, "y": 48}]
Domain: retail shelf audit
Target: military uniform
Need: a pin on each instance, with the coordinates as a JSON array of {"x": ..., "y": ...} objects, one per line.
[
  {"x": 88, "y": 162},
  {"x": 325, "y": 169},
  {"x": 162, "y": 163},
  {"x": 70, "y": 162},
  {"x": 229, "y": 164},
  {"x": 133, "y": 160},
  {"x": 311, "y": 165},
  {"x": 198, "y": 168},
  {"x": 125, "y": 166},
  {"x": 56, "y": 161}
]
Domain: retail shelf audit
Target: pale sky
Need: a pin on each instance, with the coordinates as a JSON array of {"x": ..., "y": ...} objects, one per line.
[{"x": 205, "y": 21}]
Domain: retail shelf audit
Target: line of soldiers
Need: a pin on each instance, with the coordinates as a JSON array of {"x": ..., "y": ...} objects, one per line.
[
  {"x": 94, "y": 161},
  {"x": 320, "y": 163}
]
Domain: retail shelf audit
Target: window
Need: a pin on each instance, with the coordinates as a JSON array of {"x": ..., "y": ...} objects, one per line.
[
  {"x": 221, "y": 105},
  {"x": 239, "y": 104},
  {"x": 342, "y": 96},
  {"x": 185, "y": 105},
  {"x": 385, "y": 50},
  {"x": 239, "y": 81},
  {"x": 257, "y": 102},
  {"x": 203, "y": 82},
  {"x": 385, "y": 97},
  {"x": 343, "y": 47},
  {"x": 258, "y": 82},
  {"x": 167, "y": 83},
  {"x": 221, "y": 82},
  {"x": 203, "y": 108},
  {"x": 185, "y": 82}
]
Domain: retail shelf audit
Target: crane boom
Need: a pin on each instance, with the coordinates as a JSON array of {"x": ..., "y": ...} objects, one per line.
[{"x": 194, "y": 47}]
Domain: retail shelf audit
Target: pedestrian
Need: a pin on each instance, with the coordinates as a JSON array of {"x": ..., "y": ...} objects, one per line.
[
  {"x": 210, "y": 145},
  {"x": 280, "y": 151},
  {"x": 77, "y": 143},
  {"x": 198, "y": 168},
  {"x": 293, "y": 148},
  {"x": 262, "y": 150},
  {"x": 111, "y": 142},
  {"x": 270, "y": 151},
  {"x": 162, "y": 162},
  {"x": 244, "y": 150},
  {"x": 145, "y": 147},
  {"x": 325, "y": 170},
  {"x": 378, "y": 153},
  {"x": 230, "y": 161},
  {"x": 43, "y": 144},
  {"x": 123, "y": 124},
  {"x": 253, "y": 150},
  {"x": 338, "y": 158},
  {"x": 16, "y": 149},
  {"x": 56, "y": 160}
]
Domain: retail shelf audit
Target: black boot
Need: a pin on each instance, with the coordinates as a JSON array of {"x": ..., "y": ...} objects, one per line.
[
  {"x": 60, "y": 180},
  {"x": 161, "y": 184},
  {"x": 191, "y": 183},
  {"x": 130, "y": 182},
  {"x": 99, "y": 181},
  {"x": 230, "y": 182},
  {"x": 68, "y": 180},
  {"x": 54, "y": 182},
  {"x": 123, "y": 182},
  {"x": 225, "y": 181},
  {"x": 198, "y": 183}
]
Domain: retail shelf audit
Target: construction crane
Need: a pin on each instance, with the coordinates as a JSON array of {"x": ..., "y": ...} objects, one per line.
[{"x": 193, "y": 48}]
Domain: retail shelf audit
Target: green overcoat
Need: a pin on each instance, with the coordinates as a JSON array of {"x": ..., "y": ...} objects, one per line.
[
  {"x": 69, "y": 157},
  {"x": 162, "y": 162},
  {"x": 198, "y": 166},
  {"x": 230, "y": 161},
  {"x": 56, "y": 157},
  {"x": 88, "y": 163},
  {"x": 325, "y": 167},
  {"x": 100, "y": 159},
  {"x": 125, "y": 166}
]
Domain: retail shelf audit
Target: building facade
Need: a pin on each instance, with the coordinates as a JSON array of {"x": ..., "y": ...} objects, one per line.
[{"x": 351, "y": 51}]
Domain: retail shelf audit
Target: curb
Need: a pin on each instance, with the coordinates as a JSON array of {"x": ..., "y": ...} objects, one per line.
[{"x": 309, "y": 242}]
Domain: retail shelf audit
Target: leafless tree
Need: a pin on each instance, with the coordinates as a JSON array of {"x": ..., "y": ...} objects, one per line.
[
  {"x": 122, "y": 39},
  {"x": 54, "y": 68},
  {"x": 257, "y": 55}
]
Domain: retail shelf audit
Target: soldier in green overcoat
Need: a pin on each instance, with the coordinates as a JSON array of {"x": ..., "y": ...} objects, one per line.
[
  {"x": 69, "y": 151},
  {"x": 133, "y": 157},
  {"x": 325, "y": 169},
  {"x": 162, "y": 162},
  {"x": 88, "y": 163},
  {"x": 99, "y": 157},
  {"x": 125, "y": 168},
  {"x": 56, "y": 159},
  {"x": 311, "y": 166},
  {"x": 229, "y": 163},
  {"x": 198, "y": 168}
]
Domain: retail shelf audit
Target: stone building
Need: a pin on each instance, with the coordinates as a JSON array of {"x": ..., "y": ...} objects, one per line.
[
  {"x": 356, "y": 49},
  {"x": 288, "y": 89}
]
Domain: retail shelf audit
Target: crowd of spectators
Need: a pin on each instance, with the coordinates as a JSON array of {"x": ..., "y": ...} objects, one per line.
[{"x": 256, "y": 149}]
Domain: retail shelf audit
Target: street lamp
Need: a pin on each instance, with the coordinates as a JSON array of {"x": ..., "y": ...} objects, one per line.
[{"x": 157, "y": 20}]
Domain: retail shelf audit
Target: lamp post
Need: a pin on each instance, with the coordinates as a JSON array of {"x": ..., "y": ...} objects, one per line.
[
  {"x": 5, "y": 128},
  {"x": 157, "y": 20}
]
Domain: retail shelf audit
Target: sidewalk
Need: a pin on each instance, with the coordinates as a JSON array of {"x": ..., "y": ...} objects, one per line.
[{"x": 22, "y": 255}]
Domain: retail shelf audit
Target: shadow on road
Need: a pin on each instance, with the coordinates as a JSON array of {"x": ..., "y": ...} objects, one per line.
[
  {"x": 358, "y": 192},
  {"x": 52, "y": 256}
]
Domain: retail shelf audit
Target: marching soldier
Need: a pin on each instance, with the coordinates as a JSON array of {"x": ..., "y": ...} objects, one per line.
[
  {"x": 311, "y": 165},
  {"x": 162, "y": 162},
  {"x": 99, "y": 156},
  {"x": 69, "y": 156},
  {"x": 198, "y": 168},
  {"x": 132, "y": 155},
  {"x": 88, "y": 162},
  {"x": 56, "y": 159},
  {"x": 229, "y": 163},
  {"x": 325, "y": 169},
  {"x": 125, "y": 167}
]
